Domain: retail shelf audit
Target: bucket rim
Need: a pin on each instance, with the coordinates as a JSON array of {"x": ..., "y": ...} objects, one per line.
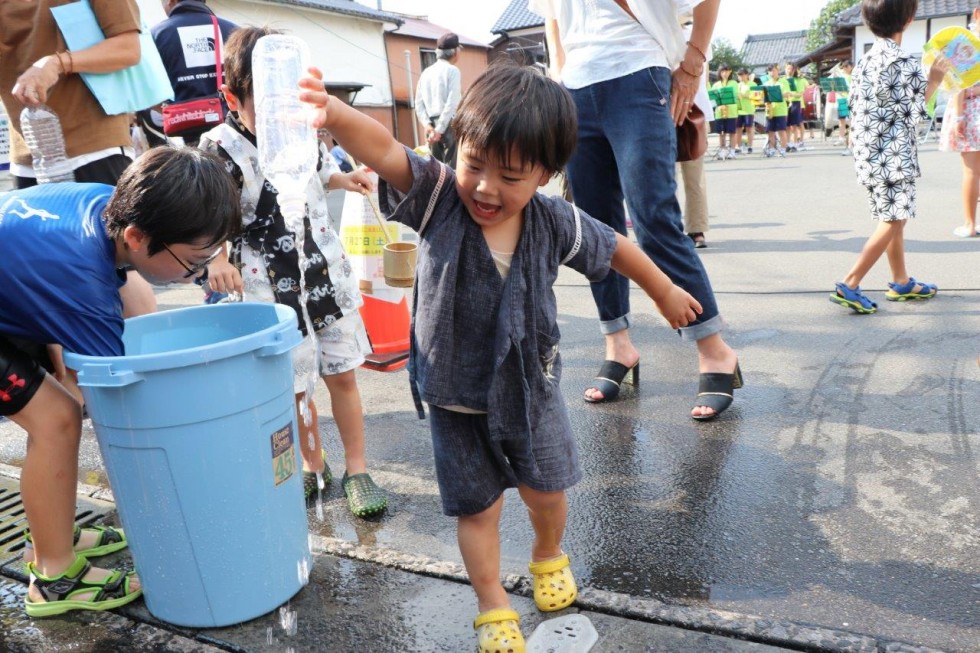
[{"x": 186, "y": 357}]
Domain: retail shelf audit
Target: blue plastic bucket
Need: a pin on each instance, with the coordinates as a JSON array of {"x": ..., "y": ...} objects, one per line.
[{"x": 196, "y": 424}]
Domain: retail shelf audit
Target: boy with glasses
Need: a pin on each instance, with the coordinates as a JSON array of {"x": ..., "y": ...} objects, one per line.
[{"x": 66, "y": 248}]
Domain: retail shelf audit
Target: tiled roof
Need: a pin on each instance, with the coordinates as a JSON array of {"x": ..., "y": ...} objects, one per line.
[
  {"x": 346, "y": 7},
  {"x": 927, "y": 9},
  {"x": 421, "y": 28},
  {"x": 764, "y": 49},
  {"x": 516, "y": 16}
]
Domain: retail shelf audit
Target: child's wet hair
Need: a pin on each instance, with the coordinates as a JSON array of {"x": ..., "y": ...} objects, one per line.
[
  {"x": 176, "y": 196},
  {"x": 886, "y": 18},
  {"x": 512, "y": 107}
]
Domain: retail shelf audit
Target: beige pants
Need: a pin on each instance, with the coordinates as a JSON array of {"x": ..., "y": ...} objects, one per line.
[{"x": 695, "y": 195}]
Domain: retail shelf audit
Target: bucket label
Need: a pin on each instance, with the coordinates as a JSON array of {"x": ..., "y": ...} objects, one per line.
[{"x": 283, "y": 454}]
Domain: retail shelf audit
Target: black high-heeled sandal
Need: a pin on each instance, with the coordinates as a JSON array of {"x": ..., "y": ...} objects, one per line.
[
  {"x": 716, "y": 390},
  {"x": 610, "y": 379}
]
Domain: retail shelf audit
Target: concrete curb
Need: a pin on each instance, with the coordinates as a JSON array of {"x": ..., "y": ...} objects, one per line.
[
  {"x": 751, "y": 628},
  {"x": 787, "y": 634}
]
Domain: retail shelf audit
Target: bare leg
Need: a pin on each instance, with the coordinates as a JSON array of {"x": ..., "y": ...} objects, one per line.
[
  {"x": 872, "y": 251},
  {"x": 345, "y": 403},
  {"x": 48, "y": 482},
  {"x": 971, "y": 189},
  {"x": 548, "y": 512},
  {"x": 896, "y": 254},
  {"x": 479, "y": 543}
]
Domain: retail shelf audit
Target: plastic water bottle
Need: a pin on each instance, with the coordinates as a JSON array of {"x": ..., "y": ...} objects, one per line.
[
  {"x": 286, "y": 139},
  {"x": 42, "y": 133},
  {"x": 288, "y": 149}
]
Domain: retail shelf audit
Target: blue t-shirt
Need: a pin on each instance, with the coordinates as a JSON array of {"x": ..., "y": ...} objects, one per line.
[{"x": 60, "y": 283}]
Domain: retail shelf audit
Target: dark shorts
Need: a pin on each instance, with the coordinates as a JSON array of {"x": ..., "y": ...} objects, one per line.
[
  {"x": 776, "y": 124},
  {"x": 795, "y": 116},
  {"x": 473, "y": 470},
  {"x": 20, "y": 377},
  {"x": 747, "y": 121},
  {"x": 724, "y": 126}
]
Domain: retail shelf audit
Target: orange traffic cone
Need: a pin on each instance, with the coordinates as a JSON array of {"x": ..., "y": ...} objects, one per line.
[{"x": 387, "y": 327}]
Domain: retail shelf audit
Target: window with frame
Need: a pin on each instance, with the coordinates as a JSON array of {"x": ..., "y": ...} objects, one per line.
[{"x": 427, "y": 56}]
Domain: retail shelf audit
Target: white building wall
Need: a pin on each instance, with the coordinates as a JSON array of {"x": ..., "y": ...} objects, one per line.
[{"x": 346, "y": 49}]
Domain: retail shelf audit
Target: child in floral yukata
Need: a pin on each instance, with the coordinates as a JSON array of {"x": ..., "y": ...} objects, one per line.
[
  {"x": 265, "y": 267},
  {"x": 888, "y": 96},
  {"x": 485, "y": 334}
]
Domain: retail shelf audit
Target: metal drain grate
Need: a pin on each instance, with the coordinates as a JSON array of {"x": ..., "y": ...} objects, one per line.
[{"x": 13, "y": 521}]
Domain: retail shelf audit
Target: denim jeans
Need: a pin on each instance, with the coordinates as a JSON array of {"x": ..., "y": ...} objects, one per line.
[{"x": 627, "y": 145}]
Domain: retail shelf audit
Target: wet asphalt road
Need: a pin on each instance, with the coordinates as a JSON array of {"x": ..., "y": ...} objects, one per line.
[{"x": 841, "y": 490}]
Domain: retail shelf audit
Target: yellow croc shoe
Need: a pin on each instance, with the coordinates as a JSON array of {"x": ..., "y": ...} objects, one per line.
[
  {"x": 554, "y": 584},
  {"x": 499, "y": 631}
]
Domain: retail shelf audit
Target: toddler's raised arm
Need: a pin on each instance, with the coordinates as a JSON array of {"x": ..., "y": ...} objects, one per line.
[{"x": 362, "y": 137}]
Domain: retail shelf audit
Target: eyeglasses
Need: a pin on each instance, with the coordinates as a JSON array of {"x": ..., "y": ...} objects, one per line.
[{"x": 197, "y": 267}]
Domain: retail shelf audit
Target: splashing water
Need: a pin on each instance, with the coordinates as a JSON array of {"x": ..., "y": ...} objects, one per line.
[
  {"x": 303, "y": 571},
  {"x": 288, "y": 620},
  {"x": 319, "y": 507},
  {"x": 269, "y": 637}
]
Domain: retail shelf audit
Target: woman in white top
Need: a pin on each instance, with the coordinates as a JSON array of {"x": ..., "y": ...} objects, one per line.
[{"x": 633, "y": 77}]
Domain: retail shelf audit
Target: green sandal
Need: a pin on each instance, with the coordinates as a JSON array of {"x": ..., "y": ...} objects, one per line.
[
  {"x": 310, "y": 485},
  {"x": 110, "y": 593},
  {"x": 109, "y": 540},
  {"x": 364, "y": 497}
]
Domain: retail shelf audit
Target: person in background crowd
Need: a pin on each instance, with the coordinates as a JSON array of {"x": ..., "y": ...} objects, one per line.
[
  {"x": 726, "y": 115},
  {"x": 842, "y": 108},
  {"x": 185, "y": 40},
  {"x": 437, "y": 96},
  {"x": 633, "y": 78},
  {"x": 794, "y": 118},
  {"x": 776, "y": 115},
  {"x": 745, "y": 123}
]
